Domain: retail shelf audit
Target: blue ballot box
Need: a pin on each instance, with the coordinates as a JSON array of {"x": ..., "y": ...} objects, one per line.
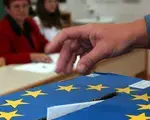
[
  {"x": 121, "y": 107},
  {"x": 32, "y": 104}
]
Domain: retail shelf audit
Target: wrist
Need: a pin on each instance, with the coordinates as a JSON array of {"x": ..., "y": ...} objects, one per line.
[
  {"x": 139, "y": 33},
  {"x": 31, "y": 56}
]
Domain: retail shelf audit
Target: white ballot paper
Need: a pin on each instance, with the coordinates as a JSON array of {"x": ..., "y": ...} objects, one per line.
[
  {"x": 37, "y": 67},
  {"x": 62, "y": 110},
  {"x": 42, "y": 67},
  {"x": 143, "y": 84}
]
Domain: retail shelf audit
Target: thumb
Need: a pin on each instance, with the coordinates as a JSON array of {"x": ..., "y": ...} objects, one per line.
[{"x": 89, "y": 60}]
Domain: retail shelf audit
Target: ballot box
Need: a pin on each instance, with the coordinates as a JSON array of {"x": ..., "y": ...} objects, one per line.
[{"x": 80, "y": 98}]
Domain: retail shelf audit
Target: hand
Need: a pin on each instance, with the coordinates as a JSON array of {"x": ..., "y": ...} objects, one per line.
[
  {"x": 2, "y": 62},
  {"x": 40, "y": 57},
  {"x": 94, "y": 42}
]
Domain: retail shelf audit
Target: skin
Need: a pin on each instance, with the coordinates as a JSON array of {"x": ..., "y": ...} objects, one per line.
[
  {"x": 19, "y": 10},
  {"x": 2, "y": 62},
  {"x": 50, "y": 5},
  {"x": 95, "y": 42}
]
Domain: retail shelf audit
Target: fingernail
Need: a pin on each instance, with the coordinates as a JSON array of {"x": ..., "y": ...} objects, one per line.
[{"x": 82, "y": 68}]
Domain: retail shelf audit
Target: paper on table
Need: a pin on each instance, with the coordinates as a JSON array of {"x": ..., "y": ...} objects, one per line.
[
  {"x": 62, "y": 110},
  {"x": 37, "y": 67},
  {"x": 55, "y": 58},
  {"x": 141, "y": 84},
  {"x": 93, "y": 75},
  {"x": 42, "y": 67}
]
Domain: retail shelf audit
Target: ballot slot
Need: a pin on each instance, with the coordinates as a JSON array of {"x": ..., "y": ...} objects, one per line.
[
  {"x": 107, "y": 96},
  {"x": 44, "y": 118},
  {"x": 102, "y": 98}
]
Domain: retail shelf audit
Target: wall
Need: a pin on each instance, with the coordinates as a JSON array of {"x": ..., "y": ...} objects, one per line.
[{"x": 121, "y": 10}]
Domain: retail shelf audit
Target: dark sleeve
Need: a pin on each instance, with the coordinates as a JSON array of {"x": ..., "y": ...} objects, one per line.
[
  {"x": 147, "y": 20},
  {"x": 38, "y": 35},
  {"x": 6, "y": 51}
]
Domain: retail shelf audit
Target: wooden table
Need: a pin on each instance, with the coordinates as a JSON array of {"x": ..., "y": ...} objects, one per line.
[{"x": 12, "y": 80}]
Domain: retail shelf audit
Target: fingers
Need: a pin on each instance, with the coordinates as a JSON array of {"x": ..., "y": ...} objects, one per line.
[
  {"x": 42, "y": 58},
  {"x": 65, "y": 55},
  {"x": 87, "y": 61},
  {"x": 72, "y": 33},
  {"x": 69, "y": 67},
  {"x": 47, "y": 59},
  {"x": 90, "y": 59}
]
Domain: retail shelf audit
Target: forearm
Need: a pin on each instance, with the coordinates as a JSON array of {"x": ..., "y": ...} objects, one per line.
[{"x": 140, "y": 33}]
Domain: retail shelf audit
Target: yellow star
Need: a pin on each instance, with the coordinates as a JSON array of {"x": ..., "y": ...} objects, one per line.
[
  {"x": 141, "y": 97},
  {"x": 9, "y": 115},
  {"x": 34, "y": 94},
  {"x": 125, "y": 90},
  {"x": 15, "y": 103},
  {"x": 96, "y": 87},
  {"x": 67, "y": 88},
  {"x": 139, "y": 117},
  {"x": 144, "y": 107}
]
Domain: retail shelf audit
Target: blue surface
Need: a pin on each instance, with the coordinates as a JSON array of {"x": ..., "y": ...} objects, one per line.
[{"x": 115, "y": 108}]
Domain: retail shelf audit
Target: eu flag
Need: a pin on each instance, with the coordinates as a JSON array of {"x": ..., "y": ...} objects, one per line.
[{"x": 130, "y": 103}]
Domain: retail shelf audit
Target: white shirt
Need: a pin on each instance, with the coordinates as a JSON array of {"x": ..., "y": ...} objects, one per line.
[{"x": 49, "y": 33}]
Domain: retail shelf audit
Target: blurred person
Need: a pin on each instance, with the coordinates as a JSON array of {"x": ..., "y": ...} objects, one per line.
[
  {"x": 20, "y": 38},
  {"x": 48, "y": 18}
]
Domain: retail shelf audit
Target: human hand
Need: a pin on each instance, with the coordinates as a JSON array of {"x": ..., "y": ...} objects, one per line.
[
  {"x": 2, "y": 62},
  {"x": 94, "y": 42},
  {"x": 40, "y": 57}
]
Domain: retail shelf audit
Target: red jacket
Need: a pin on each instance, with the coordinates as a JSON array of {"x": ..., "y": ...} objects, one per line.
[{"x": 17, "y": 44}]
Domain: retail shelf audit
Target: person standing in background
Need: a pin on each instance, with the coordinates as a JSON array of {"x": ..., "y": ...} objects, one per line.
[
  {"x": 48, "y": 18},
  {"x": 20, "y": 38}
]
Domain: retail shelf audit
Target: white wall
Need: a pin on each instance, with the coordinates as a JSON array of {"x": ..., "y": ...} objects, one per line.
[{"x": 121, "y": 10}]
